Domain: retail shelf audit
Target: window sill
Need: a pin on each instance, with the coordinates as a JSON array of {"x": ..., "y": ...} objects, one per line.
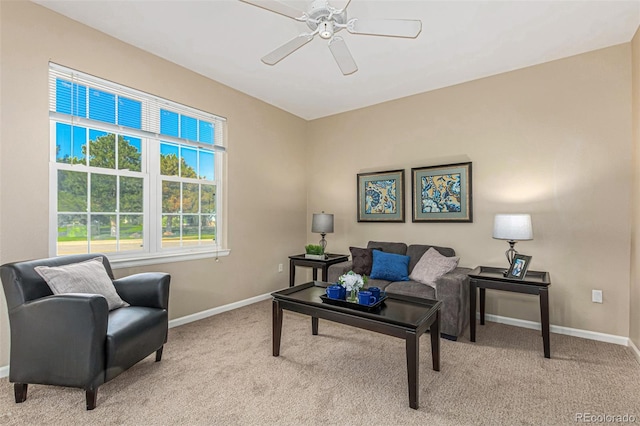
[{"x": 155, "y": 259}]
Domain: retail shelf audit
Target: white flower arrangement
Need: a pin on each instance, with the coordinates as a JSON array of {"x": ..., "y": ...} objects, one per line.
[{"x": 352, "y": 281}]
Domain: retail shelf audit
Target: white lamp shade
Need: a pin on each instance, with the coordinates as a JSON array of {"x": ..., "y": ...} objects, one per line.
[
  {"x": 322, "y": 223},
  {"x": 513, "y": 227}
]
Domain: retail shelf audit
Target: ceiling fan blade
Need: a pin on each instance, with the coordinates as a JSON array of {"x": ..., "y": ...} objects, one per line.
[
  {"x": 385, "y": 27},
  {"x": 287, "y": 49},
  {"x": 277, "y": 7},
  {"x": 341, "y": 5},
  {"x": 342, "y": 55}
]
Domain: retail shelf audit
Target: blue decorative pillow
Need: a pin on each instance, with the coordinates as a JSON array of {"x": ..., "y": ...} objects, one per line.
[{"x": 389, "y": 266}]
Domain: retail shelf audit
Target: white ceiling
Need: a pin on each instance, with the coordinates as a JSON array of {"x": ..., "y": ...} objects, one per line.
[{"x": 460, "y": 41}]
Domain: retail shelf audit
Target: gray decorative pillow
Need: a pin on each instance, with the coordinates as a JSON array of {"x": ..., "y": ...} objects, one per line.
[
  {"x": 362, "y": 259},
  {"x": 88, "y": 277},
  {"x": 431, "y": 266}
]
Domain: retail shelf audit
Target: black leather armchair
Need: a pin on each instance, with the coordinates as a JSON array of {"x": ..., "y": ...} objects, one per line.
[{"x": 73, "y": 339}]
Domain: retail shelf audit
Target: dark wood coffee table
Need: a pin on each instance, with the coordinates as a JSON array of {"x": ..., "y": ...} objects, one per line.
[{"x": 400, "y": 316}]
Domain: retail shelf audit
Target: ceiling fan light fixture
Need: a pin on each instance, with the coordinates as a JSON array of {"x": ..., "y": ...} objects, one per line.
[{"x": 325, "y": 29}]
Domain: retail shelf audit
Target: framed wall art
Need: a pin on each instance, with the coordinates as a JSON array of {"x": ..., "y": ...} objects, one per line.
[
  {"x": 381, "y": 196},
  {"x": 442, "y": 193},
  {"x": 519, "y": 267}
]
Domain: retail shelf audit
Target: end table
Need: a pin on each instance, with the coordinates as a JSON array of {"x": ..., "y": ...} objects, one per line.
[
  {"x": 300, "y": 260},
  {"x": 534, "y": 282}
]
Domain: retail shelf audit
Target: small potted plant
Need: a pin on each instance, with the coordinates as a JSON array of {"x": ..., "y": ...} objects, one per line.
[{"x": 314, "y": 251}]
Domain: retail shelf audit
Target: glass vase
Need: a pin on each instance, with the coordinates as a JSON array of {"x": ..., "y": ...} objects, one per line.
[{"x": 352, "y": 296}]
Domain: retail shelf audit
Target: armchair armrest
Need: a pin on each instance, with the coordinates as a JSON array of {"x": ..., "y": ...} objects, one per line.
[
  {"x": 60, "y": 340},
  {"x": 338, "y": 269},
  {"x": 453, "y": 290},
  {"x": 149, "y": 289}
]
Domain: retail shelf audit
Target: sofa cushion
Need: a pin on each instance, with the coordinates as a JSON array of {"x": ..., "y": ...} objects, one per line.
[
  {"x": 382, "y": 284},
  {"x": 89, "y": 277},
  {"x": 390, "y": 266},
  {"x": 362, "y": 259},
  {"x": 411, "y": 288},
  {"x": 397, "y": 248},
  {"x": 416, "y": 251},
  {"x": 432, "y": 266}
]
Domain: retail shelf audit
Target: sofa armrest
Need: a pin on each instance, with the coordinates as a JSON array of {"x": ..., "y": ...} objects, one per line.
[
  {"x": 59, "y": 340},
  {"x": 338, "y": 269},
  {"x": 453, "y": 290},
  {"x": 148, "y": 289}
]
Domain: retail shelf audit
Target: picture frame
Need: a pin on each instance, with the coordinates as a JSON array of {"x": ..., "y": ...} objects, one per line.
[
  {"x": 381, "y": 196},
  {"x": 442, "y": 193},
  {"x": 519, "y": 266}
]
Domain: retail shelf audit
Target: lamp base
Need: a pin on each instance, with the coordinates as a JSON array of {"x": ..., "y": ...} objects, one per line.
[
  {"x": 323, "y": 243},
  {"x": 511, "y": 252}
]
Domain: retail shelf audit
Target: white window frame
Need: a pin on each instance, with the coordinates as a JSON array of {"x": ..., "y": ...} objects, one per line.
[{"x": 153, "y": 253}]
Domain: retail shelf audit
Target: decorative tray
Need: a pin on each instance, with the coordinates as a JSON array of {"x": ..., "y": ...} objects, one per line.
[{"x": 352, "y": 305}]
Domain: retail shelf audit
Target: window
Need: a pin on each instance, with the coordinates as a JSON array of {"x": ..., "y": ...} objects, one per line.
[{"x": 132, "y": 175}]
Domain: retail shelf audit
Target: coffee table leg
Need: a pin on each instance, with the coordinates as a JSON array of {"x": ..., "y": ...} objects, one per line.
[
  {"x": 472, "y": 311},
  {"x": 277, "y": 326},
  {"x": 314, "y": 326},
  {"x": 413, "y": 355},
  {"x": 435, "y": 342},
  {"x": 544, "y": 319}
]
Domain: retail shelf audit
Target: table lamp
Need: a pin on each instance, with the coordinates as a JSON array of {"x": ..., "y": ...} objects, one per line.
[
  {"x": 322, "y": 224},
  {"x": 513, "y": 228}
]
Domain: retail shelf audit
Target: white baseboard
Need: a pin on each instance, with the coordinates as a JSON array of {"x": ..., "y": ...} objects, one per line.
[
  {"x": 585, "y": 334},
  {"x": 215, "y": 311}
]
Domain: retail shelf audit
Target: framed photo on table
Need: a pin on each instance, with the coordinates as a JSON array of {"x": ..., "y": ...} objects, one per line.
[
  {"x": 381, "y": 196},
  {"x": 519, "y": 267},
  {"x": 442, "y": 193}
]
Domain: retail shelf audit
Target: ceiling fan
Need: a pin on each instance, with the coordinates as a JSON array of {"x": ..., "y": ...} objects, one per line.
[{"x": 325, "y": 21}]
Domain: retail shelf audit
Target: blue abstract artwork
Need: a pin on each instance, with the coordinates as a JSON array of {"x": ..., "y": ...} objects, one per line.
[
  {"x": 441, "y": 193},
  {"x": 380, "y": 197}
]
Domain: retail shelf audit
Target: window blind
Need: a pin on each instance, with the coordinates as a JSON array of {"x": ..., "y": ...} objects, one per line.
[{"x": 81, "y": 99}]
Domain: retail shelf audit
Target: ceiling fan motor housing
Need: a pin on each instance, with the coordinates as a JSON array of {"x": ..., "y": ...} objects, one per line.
[{"x": 319, "y": 17}]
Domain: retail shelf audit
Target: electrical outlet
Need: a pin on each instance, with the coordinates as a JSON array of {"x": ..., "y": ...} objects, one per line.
[
  {"x": 596, "y": 296},
  {"x": 280, "y": 267}
]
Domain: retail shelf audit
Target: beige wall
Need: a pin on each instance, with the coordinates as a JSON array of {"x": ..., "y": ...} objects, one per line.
[
  {"x": 634, "y": 318},
  {"x": 267, "y": 187},
  {"x": 552, "y": 140}
]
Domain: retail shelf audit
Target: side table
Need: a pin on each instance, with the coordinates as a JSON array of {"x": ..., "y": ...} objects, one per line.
[
  {"x": 534, "y": 282},
  {"x": 300, "y": 260}
]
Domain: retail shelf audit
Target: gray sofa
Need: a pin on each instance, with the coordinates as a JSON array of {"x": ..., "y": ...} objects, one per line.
[{"x": 452, "y": 288}]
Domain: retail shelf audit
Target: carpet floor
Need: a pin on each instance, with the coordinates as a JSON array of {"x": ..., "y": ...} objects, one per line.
[{"x": 220, "y": 371}]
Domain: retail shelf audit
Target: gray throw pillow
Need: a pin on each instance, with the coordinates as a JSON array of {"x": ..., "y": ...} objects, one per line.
[
  {"x": 88, "y": 277},
  {"x": 431, "y": 266}
]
